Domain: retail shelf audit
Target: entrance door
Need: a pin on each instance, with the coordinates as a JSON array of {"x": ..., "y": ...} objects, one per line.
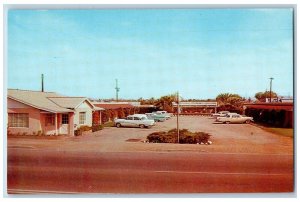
[{"x": 64, "y": 129}]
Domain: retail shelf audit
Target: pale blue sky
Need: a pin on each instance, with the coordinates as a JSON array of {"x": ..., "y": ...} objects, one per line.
[{"x": 199, "y": 52}]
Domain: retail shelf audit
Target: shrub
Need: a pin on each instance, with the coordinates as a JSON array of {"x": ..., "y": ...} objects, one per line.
[
  {"x": 108, "y": 124},
  {"x": 185, "y": 137},
  {"x": 97, "y": 127},
  {"x": 78, "y": 132},
  {"x": 156, "y": 137},
  {"x": 84, "y": 128}
]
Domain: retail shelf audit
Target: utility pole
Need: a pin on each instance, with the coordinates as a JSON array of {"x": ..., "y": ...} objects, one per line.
[
  {"x": 117, "y": 90},
  {"x": 271, "y": 88},
  {"x": 178, "y": 117},
  {"x": 42, "y": 82}
]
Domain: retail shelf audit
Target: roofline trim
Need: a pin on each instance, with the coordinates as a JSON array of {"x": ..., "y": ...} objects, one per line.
[
  {"x": 31, "y": 105},
  {"x": 85, "y": 99}
]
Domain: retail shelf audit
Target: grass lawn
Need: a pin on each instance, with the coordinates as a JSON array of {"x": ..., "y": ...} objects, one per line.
[{"x": 288, "y": 132}]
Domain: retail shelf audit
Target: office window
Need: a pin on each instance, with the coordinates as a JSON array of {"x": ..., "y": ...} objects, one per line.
[
  {"x": 82, "y": 116},
  {"x": 65, "y": 119},
  {"x": 18, "y": 120}
]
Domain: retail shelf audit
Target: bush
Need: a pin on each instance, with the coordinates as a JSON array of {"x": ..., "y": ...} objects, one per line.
[
  {"x": 81, "y": 129},
  {"x": 78, "y": 132},
  {"x": 97, "y": 127},
  {"x": 85, "y": 128},
  {"x": 185, "y": 137},
  {"x": 109, "y": 124}
]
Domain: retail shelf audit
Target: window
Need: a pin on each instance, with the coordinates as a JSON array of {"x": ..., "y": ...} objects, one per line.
[
  {"x": 137, "y": 118},
  {"x": 50, "y": 119},
  {"x": 65, "y": 119},
  {"x": 82, "y": 118},
  {"x": 18, "y": 120}
]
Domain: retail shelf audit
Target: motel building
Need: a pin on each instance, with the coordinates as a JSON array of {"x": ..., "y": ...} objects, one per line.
[
  {"x": 277, "y": 114},
  {"x": 48, "y": 113}
]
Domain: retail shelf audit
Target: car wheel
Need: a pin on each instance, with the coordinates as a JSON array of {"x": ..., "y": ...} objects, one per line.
[
  {"x": 227, "y": 122},
  {"x": 142, "y": 126},
  {"x": 248, "y": 121},
  {"x": 118, "y": 125}
]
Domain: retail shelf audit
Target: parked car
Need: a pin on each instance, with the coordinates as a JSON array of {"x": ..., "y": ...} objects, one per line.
[
  {"x": 156, "y": 117},
  {"x": 164, "y": 113},
  {"x": 220, "y": 114},
  {"x": 234, "y": 118},
  {"x": 136, "y": 120}
]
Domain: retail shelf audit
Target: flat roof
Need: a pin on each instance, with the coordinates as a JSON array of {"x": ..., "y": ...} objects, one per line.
[{"x": 276, "y": 106}]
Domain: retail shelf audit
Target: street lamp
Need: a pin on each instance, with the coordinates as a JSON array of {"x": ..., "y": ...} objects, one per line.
[{"x": 271, "y": 88}]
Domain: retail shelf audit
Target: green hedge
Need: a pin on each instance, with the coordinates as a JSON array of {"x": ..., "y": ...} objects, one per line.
[
  {"x": 185, "y": 137},
  {"x": 97, "y": 128}
]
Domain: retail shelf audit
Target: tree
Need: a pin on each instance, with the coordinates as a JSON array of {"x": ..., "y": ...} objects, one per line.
[
  {"x": 230, "y": 102},
  {"x": 165, "y": 102},
  {"x": 261, "y": 96},
  {"x": 228, "y": 98}
]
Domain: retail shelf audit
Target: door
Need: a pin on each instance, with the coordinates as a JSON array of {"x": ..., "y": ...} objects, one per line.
[{"x": 64, "y": 129}]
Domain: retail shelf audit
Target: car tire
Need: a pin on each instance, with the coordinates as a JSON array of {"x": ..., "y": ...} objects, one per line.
[
  {"x": 142, "y": 126},
  {"x": 118, "y": 125},
  {"x": 247, "y": 121},
  {"x": 227, "y": 122}
]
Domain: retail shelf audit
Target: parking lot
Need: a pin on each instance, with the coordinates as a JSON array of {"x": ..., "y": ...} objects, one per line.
[
  {"x": 226, "y": 138},
  {"x": 242, "y": 158}
]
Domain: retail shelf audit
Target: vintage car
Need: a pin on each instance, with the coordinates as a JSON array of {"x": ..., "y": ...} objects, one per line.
[
  {"x": 156, "y": 117},
  {"x": 220, "y": 114},
  {"x": 163, "y": 113},
  {"x": 136, "y": 120},
  {"x": 234, "y": 118}
]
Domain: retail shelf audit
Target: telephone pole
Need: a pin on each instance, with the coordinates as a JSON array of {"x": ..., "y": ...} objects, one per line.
[
  {"x": 42, "y": 82},
  {"x": 271, "y": 88},
  {"x": 117, "y": 90}
]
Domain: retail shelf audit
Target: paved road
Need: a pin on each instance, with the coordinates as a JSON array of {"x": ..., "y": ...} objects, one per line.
[{"x": 50, "y": 171}]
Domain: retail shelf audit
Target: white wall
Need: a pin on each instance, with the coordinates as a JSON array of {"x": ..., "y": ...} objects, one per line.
[{"x": 87, "y": 108}]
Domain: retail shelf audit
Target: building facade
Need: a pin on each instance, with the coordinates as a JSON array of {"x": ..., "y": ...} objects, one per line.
[{"x": 48, "y": 113}]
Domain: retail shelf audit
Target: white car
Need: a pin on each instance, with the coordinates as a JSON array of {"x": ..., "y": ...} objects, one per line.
[
  {"x": 156, "y": 117},
  {"x": 136, "y": 120},
  {"x": 164, "y": 113},
  {"x": 234, "y": 118},
  {"x": 220, "y": 114}
]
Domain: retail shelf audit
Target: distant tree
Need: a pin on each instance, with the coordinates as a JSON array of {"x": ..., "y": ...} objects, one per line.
[
  {"x": 121, "y": 113},
  {"x": 151, "y": 101},
  {"x": 230, "y": 102},
  {"x": 141, "y": 100},
  {"x": 229, "y": 98},
  {"x": 261, "y": 96},
  {"x": 165, "y": 102}
]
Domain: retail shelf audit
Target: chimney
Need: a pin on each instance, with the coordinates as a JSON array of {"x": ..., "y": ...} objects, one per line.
[{"x": 42, "y": 82}]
